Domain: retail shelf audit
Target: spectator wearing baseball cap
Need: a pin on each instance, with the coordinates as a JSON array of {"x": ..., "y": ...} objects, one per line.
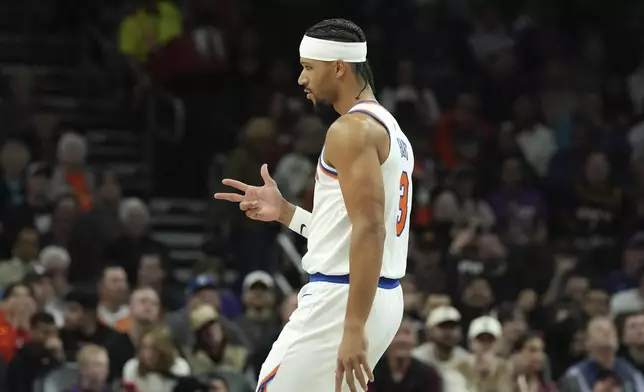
[
  {"x": 212, "y": 349},
  {"x": 259, "y": 319},
  {"x": 483, "y": 370},
  {"x": 202, "y": 289},
  {"x": 444, "y": 331}
]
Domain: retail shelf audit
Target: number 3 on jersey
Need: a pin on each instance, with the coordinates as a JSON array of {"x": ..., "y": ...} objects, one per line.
[{"x": 401, "y": 222}]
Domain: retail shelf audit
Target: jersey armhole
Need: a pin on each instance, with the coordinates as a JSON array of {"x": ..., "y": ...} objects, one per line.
[{"x": 375, "y": 117}]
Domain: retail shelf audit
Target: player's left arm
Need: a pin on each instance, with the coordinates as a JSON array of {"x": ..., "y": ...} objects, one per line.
[{"x": 352, "y": 147}]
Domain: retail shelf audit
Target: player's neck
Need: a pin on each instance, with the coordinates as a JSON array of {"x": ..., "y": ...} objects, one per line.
[{"x": 348, "y": 99}]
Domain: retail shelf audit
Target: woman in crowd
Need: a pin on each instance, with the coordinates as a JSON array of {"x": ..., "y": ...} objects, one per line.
[
  {"x": 529, "y": 359},
  {"x": 212, "y": 350},
  {"x": 157, "y": 364}
]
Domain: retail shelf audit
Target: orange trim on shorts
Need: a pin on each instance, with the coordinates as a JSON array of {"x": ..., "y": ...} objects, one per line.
[{"x": 267, "y": 380}]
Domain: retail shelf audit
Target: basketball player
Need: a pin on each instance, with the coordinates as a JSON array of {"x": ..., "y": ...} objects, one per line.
[{"x": 358, "y": 230}]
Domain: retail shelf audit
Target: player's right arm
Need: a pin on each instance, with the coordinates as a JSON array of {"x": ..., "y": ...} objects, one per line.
[{"x": 266, "y": 203}]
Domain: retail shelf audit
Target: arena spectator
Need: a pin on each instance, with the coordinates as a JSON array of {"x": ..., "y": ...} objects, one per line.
[
  {"x": 94, "y": 230},
  {"x": 633, "y": 340},
  {"x": 14, "y": 158},
  {"x": 93, "y": 364},
  {"x": 62, "y": 224},
  {"x": 71, "y": 175},
  {"x": 153, "y": 272},
  {"x": 36, "y": 358},
  {"x": 629, "y": 300},
  {"x": 113, "y": 292},
  {"x": 156, "y": 362},
  {"x": 399, "y": 371},
  {"x": 513, "y": 326},
  {"x": 81, "y": 323},
  {"x": 202, "y": 290},
  {"x": 444, "y": 331},
  {"x": 36, "y": 210},
  {"x": 24, "y": 257},
  {"x": 528, "y": 359},
  {"x": 128, "y": 248},
  {"x": 144, "y": 315},
  {"x": 212, "y": 350},
  {"x": 18, "y": 306},
  {"x": 484, "y": 371},
  {"x": 55, "y": 261},
  {"x": 259, "y": 319},
  {"x": 626, "y": 278},
  {"x": 41, "y": 286},
  {"x": 602, "y": 347}
]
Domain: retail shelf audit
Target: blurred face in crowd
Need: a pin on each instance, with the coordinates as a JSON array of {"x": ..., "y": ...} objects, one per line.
[
  {"x": 207, "y": 296},
  {"x": 435, "y": 300},
  {"x": 72, "y": 152},
  {"x": 596, "y": 303},
  {"x": 259, "y": 296},
  {"x": 19, "y": 302},
  {"x": 75, "y": 316},
  {"x": 65, "y": 213},
  {"x": 515, "y": 327},
  {"x": 527, "y": 300},
  {"x": 511, "y": 172},
  {"x": 110, "y": 189},
  {"x": 151, "y": 271},
  {"x": 478, "y": 294},
  {"x": 218, "y": 385},
  {"x": 576, "y": 288},
  {"x": 14, "y": 157},
  {"x": 601, "y": 335},
  {"x": 490, "y": 247},
  {"x": 411, "y": 295},
  {"x": 148, "y": 351},
  {"x": 145, "y": 305},
  {"x": 135, "y": 223},
  {"x": 597, "y": 169},
  {"x": 446, "y": 335},
  {"x": 404, "y": 341},
  {"x": 482, "y": 344},
  {"x": 37, "y": 186},
  {"x": 27, "y": 245},
  {"x": 633, "y": 260},
  {"x": 43, "y": 331},
  {"x": 93, "y": 371},
  {"x": 43, "y": 290},
  {"x": 57, "y": 268},
  {"x": 114, "y": 286},
  {"x": 634, "y": 331},
  {"x": 532, "y": 355},
  {"x": 289, "y": 304}
]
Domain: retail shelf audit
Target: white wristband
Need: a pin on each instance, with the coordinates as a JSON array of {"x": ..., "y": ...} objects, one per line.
[{"x": 300, "y": 222}]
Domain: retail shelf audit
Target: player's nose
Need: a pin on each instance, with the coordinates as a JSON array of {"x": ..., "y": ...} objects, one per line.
[{"x": 302, "y": 80}]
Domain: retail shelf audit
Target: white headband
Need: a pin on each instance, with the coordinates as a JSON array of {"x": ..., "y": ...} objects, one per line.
[{"x": 323, "y": 50}]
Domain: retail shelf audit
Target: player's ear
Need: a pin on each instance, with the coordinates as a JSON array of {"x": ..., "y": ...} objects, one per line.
[{"x": 341, "y": 68}]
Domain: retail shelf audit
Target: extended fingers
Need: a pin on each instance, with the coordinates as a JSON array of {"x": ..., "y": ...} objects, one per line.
[
  {"x": 234, "y": 197},
  {"x": 235, "y": 184},
  {"x": 339, "y": 376},
  {"x": 247, "y": 205}
]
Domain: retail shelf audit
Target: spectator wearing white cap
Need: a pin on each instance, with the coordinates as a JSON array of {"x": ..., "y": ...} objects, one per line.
[
  {"x": 259, "y": 320},
  {"x": 483, "y": 370},
  {"x": 444, "y": 332},
  {"x": 71, "y": 174}
]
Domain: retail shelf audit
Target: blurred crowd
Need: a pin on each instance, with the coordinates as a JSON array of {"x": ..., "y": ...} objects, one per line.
[{"x": 526, "y": 265}]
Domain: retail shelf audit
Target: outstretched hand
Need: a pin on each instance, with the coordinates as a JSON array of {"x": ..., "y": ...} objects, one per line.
[{"x": 259, "y": 203}]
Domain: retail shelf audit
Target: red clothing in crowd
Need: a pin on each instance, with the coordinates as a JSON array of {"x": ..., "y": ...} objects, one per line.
[{"x": 11, "y": 339}]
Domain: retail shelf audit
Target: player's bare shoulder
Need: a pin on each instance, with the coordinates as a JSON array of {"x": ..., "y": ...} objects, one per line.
[{"x": 355, "y": 131}]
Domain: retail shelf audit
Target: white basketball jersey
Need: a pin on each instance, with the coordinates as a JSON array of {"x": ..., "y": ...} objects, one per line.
[{"x": 330, "y": 227}]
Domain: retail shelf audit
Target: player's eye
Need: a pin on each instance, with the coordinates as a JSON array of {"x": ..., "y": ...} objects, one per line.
[{"x": 307, "y": 67}]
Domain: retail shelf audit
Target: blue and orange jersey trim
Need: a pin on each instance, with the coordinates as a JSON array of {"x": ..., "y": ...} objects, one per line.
[
  {"x": 327, "y": 170},
  {"x": 269, "y": 377}
]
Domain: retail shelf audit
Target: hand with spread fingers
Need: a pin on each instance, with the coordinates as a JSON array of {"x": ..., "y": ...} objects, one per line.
[
  {"x": 352, "y": 361},
  {"x": 259, "y": 203}
]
